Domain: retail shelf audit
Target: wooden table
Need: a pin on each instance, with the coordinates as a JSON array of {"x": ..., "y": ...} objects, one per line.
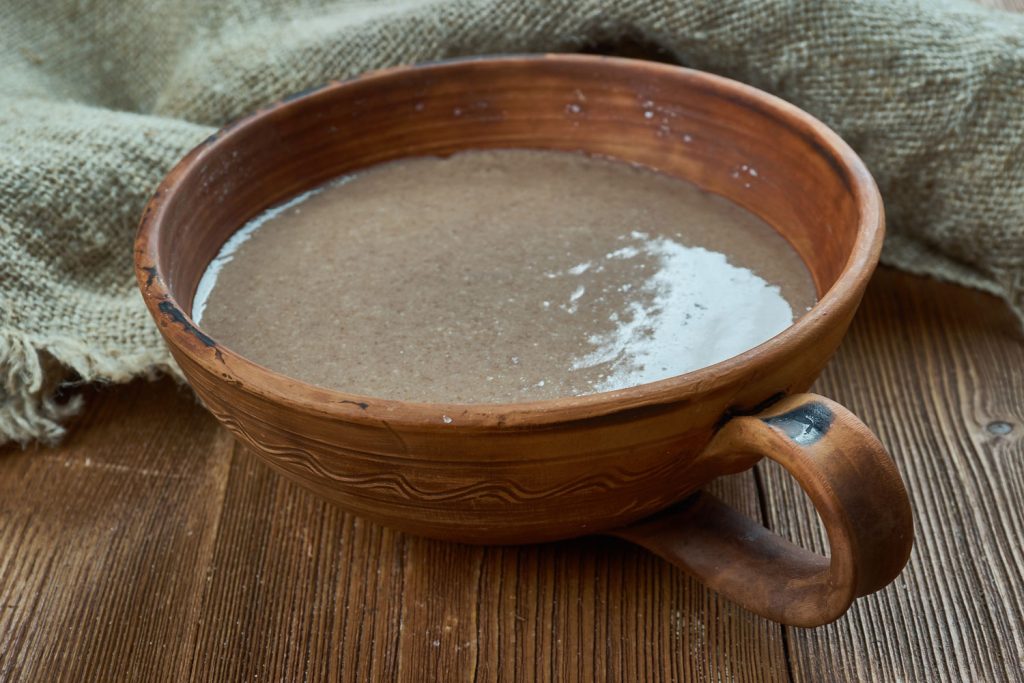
[{"x": 150, "y": 546}]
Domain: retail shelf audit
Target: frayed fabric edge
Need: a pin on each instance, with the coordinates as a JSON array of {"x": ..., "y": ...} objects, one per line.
[{"x": 32, "y": 369}]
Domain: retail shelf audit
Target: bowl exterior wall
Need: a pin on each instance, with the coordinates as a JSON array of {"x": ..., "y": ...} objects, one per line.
[
  {"x": 519, "y": 472},
  {"x": 504, "y": 485}
]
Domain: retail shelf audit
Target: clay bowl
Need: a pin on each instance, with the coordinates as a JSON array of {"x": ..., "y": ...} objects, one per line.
[{"x": 554, "y": 469}]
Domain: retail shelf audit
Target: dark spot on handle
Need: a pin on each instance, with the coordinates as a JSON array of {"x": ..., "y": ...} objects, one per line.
[
  {"x": 805, "y": 425},
  {"x": 151, "y": 274},
  {"x": 172, "y": 312}
]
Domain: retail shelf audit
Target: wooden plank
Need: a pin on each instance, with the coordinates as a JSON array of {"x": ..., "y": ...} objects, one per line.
[
  {"x": 150, "y": 546},
  {"x": 301, "y": 590},
  {"x": 936, "y": 371},
  {"x": 104, "y": 542},
  {"x": 298, "y": 590}
]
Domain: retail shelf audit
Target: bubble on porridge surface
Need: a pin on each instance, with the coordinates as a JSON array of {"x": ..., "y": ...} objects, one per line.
[
  {"x": 574, "y": 298},
  {"x": 623, "y": 253}
]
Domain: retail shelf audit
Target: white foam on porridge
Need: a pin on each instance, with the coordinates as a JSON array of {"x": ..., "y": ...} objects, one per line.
[
  {"x": 703, "y": 310},
  {"x": 240, "y": 237}
]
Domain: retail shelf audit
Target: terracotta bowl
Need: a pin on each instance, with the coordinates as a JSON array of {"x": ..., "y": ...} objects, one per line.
[{"x": 605, "y": 463}]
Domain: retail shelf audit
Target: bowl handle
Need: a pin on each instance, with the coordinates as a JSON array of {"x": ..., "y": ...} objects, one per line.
[{"x": 854, "y": 486}]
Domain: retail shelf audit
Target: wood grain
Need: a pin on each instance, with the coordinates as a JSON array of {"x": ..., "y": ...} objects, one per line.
[
  {"x": 151, "y": 547},
  {"x": 229, "y": 572},
  {"x": 936, "y": 371},
  {"x": 384, "y": 606},
  {"x": 105, "y": 543}
]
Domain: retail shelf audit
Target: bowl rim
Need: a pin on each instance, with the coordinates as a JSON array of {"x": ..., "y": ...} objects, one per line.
[{"x": 186, "y": 337}]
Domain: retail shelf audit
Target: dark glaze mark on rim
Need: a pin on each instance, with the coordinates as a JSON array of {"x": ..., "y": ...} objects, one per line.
[{"x": 170, "y": 309}]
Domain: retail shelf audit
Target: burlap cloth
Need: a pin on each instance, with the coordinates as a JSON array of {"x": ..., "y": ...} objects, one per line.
[{"x": 98, "y": 99}]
